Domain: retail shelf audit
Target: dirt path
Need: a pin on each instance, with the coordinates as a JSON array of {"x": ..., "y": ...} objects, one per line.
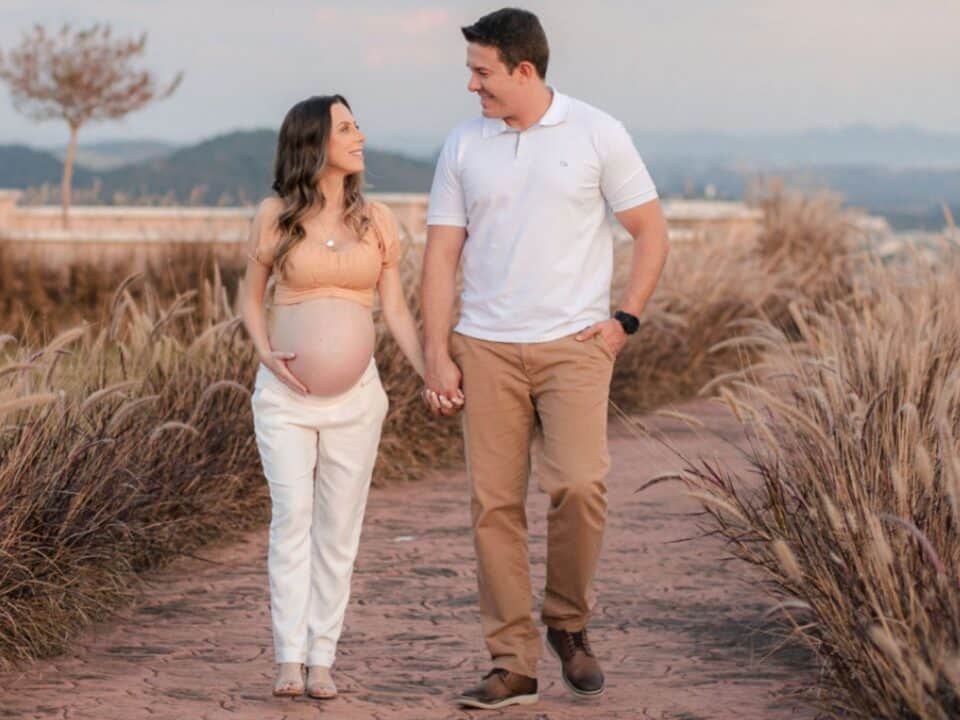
[{"x": 679, "y": 627}]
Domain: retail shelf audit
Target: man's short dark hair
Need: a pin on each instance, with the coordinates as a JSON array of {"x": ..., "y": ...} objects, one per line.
[{"x": 516, "y": 34}]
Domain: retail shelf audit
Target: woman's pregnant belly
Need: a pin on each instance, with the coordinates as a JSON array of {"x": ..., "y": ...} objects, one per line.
[{"x": 332, "y": 338}]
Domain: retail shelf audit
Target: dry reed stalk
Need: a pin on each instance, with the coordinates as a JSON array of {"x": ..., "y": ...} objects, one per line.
[{"x": 858, "y": 464}]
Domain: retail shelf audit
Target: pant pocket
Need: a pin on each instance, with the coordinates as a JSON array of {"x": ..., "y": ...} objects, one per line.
[{"x": 601, "y": 341}]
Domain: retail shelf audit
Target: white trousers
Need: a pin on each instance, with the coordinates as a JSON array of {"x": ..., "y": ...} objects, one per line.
[{"x": 318, "y": 455}]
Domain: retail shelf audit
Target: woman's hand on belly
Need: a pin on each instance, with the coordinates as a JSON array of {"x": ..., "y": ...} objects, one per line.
[
  {"x": 276, "y": 362},
  {"x": 332, "y": 340}
]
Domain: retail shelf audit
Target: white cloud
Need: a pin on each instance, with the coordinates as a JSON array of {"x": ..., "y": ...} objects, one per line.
[{"x": 395, "y": 38}]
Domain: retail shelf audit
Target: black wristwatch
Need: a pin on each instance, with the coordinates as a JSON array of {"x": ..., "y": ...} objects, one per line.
[{"x": 630, "y": 323}]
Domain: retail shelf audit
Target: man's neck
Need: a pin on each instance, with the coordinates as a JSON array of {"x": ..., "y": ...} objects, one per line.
[{"x": 538, "y": 108}]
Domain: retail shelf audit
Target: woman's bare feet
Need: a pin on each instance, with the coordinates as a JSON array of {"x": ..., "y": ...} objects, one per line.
[
  {"x": 319, "y": 683},
  {"x": 289, "y": 682}
]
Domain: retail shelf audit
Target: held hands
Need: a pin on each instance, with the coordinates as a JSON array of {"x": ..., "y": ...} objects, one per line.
[
  {"x": 276, "y": 362},
  {"x": 610, "y": 330},
  {"x": 442, "y": 393}
]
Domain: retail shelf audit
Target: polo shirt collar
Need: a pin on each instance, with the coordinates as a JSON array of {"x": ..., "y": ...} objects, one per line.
[{"x": 555, "y": 114}]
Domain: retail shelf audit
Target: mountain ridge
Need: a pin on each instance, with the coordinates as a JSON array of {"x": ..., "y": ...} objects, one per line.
[{"x": 234, "y": 169}]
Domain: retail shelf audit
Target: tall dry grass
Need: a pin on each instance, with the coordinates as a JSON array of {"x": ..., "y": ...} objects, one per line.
[
  {"x": 120, "y": 445},
  {"x": 805, "y": 251},
  {"x": 856, "y": 427},
  {"x": 37, "y": 301},
  {"x": 128, "y": 440}
]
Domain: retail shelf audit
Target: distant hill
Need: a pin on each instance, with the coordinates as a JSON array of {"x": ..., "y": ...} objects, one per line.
[
  {"x": 919, "y": 170},
  {"x": 907, "y": 197},
  {"x": 229, "y": 169},
  {"x": 903, "y": 147},
  {"x": 110, "y": 154},
  {"x": 237, "y": 168},
  {"x": 22, "y": 166}
]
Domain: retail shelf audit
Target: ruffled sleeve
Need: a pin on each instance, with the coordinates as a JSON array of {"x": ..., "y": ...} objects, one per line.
[
  {"x": 264, "y": 232},
  {"x": 388, "y": 231}
]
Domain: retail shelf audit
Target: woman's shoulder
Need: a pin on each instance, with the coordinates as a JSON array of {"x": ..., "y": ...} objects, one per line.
[
  {"x": 383, "y": 220},
  {"x": 269, "y": 208},
  {"x": 265, "y": 230},
  {"x": 380, "y": 212}
]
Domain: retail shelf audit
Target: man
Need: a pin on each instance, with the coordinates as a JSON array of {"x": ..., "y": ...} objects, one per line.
[{"x": 522, "y": 194}]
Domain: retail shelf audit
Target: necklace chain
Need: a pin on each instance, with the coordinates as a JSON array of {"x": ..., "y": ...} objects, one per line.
[{"x": 330, "y": 242}]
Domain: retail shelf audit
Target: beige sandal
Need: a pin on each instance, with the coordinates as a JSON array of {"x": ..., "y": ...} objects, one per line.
[
  {"x": 319, "y": 683},
  {"x": 289, "y": 680}
]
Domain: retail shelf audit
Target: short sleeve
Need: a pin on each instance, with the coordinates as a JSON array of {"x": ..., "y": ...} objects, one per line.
[
  {"x": 447, "y": 204},
  {"x": 389, "y": 233},
  {"x": 264, "y": 232},
  {"x": 624, "y": 179}
]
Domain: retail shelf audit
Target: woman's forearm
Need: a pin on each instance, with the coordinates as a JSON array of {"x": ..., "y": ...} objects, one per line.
[
  {"x": 255, "y": 321},
  {"x": 403, "y": 328}
]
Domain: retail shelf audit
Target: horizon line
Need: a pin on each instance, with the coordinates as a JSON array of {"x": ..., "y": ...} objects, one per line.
[{"x": 421, "y": 136}]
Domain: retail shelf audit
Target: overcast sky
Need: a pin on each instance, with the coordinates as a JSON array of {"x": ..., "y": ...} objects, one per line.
[{"x": 727, "y": 65}]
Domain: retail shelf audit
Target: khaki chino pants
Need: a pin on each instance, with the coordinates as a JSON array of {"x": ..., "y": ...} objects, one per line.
[{"x": 559, "y": 389}]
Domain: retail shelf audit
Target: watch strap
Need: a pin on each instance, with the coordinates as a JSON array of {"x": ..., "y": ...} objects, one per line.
[{"x": 629, "y": 323}]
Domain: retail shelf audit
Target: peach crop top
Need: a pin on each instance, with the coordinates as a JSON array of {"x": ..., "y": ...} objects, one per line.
[{"x": 313, "y": 270}]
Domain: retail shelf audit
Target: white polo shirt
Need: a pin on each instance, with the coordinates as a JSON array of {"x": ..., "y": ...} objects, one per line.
[{"x": 538, "y": 258}]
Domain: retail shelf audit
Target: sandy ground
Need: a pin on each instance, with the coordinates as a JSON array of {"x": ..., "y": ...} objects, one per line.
[{"x": 679, "y": 627}]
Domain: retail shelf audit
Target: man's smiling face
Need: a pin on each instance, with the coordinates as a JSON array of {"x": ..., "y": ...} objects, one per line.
[{"x": 498, "y": 88}]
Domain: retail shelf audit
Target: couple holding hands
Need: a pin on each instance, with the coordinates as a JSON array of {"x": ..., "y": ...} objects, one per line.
[{"x": 520, "y": 196}]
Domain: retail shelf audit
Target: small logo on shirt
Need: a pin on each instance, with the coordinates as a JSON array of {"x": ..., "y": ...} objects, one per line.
[{"x": 563, "y": 163}]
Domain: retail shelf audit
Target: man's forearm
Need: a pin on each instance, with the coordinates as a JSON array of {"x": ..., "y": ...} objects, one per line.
[
  {"x": 438, "y": 292},
  {"x": 650, "y": 249}
]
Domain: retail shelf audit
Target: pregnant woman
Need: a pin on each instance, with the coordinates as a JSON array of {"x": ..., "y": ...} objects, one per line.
[{"x": 318, "y": 404}]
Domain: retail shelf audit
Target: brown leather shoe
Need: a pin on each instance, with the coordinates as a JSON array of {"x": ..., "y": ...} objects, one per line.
[
  {"x": 500, "y": 688},
  {"x": 580, "y": 670}
]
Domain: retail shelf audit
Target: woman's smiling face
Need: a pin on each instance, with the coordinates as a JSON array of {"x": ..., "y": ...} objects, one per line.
[{"x": 345, "y": 145}]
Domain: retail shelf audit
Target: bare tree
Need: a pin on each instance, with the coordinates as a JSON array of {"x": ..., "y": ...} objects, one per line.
[{"x": 79, "y": 76}]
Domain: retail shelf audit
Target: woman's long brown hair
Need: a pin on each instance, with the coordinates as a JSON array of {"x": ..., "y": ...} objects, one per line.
[{"x": 301, "y": 157}]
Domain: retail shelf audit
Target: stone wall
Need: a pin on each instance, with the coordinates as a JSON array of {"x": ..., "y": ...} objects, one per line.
[{"x": 106, "y": 233}]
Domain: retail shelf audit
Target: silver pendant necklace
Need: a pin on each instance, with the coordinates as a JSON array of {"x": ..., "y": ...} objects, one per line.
[{"x": 330, "y": 242}]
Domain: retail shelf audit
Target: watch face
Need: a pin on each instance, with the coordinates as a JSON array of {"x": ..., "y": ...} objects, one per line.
[{"x": 630, "y": 323}]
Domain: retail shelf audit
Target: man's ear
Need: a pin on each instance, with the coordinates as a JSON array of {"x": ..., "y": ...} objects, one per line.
[{"x": 526, "y": 71}]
